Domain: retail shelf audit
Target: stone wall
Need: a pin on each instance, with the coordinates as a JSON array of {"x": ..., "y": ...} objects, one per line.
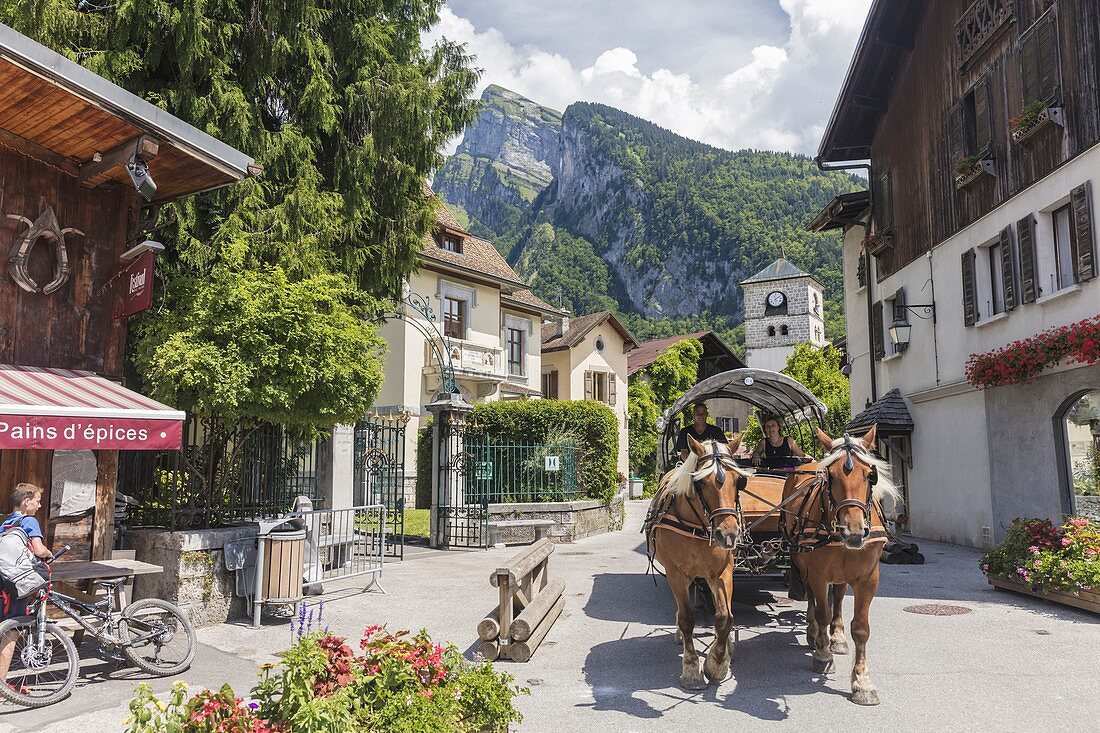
[
  {"x": 194, "y": 577},
  {"x": 573, "y": 520}
]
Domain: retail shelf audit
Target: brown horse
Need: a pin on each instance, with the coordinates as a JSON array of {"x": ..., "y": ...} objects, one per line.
[
  {"x": 837, "y": 534},
  {"x": 692, "y": 530}
]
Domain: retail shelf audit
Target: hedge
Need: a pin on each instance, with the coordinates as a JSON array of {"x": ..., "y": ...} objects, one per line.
[
  {"x": 593, "y": 423},
  {"x": 424, "y": 466}
]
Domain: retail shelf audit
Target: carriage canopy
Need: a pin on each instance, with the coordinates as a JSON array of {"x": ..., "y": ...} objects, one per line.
[{"x": 772, "y": 393}]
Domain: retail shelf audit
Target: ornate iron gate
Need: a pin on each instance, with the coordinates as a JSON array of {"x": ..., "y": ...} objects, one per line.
[
  {"x": 462, "y": 510},
  {"x": 380, "y": 473},
  {"x": 476, "y": 470}
]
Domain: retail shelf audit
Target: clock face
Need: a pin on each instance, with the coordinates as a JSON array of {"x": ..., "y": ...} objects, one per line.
[{"x": 776, "y": 299}]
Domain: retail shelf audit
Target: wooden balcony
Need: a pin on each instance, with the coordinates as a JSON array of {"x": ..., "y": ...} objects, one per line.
[{"x": 979, "y": 24}]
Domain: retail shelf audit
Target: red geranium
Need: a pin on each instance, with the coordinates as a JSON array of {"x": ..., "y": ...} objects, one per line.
[{"x": 1023, "y": 360}]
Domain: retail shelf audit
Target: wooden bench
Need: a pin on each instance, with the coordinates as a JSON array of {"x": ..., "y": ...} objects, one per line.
[
  {"x": 541, "y": 527},
  {"x": 69, "y": 576}
]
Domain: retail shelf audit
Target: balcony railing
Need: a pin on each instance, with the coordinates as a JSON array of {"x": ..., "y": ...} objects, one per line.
[
  {"x": 471, "y": 358},
  {"x": 981, "y": 22}
]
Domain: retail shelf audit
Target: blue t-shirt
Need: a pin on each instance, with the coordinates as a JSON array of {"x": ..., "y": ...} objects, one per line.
[{"x": 29, "y": 525}]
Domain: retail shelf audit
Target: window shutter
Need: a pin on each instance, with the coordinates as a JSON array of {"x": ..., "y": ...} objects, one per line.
[
  {"x": 1046, "y": 57},
  {"x": 955, "y": 134},
  {"x": 1029, "y": 66},
  {"x": 983, "y": 119},
  {"x": 884, "y": 205},
  {"x": 1008, "y": 269},
  {"x": 611, "y": 389},
  {"x": 588, "y": 391},
  {"x": 970, "y": 298},
  {"x": 1083, "y": 239},
  {"x": 877, "y": 342},
  {"x": 1025, "y": 237}
]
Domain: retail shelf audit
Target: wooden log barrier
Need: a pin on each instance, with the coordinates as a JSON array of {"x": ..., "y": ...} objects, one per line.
[
  {"x": 490, "y": 650},
  {"x": 529, "y": 605},
  {"x": 529, "y": 620},
  {"x": 521, "y": 651},
  {"x": 489, "y": 627}
]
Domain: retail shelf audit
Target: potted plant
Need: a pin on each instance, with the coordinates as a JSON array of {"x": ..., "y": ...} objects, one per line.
[
  {"x": 1034, "y": 117},
  {"x": 1037, "y": 558},
  {"x": 878, "y": 243},
  {"x": 968, "y": 169}
]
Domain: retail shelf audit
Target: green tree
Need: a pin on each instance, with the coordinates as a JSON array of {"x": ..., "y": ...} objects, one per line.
[
  {"x": 819, "y": 371},
  {"x": 347, "y": 115},
  {"x": 651, "y": 392}
]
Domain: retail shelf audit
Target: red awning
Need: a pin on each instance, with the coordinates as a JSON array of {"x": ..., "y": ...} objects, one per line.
[{"x": 49, "y": 409}]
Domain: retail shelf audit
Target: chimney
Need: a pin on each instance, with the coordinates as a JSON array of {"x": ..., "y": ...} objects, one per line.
[{"x": 562, "y": 326}]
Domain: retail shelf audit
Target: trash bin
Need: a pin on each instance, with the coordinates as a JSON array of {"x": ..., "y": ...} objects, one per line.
[
  {"x": 637, "y": 487},
  {"x": 280, "y": 558}
]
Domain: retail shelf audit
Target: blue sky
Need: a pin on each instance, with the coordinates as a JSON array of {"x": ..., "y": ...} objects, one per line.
[{"x": 733, "y": 73}]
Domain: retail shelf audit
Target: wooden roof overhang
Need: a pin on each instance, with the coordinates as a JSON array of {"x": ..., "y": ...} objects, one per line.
[
  {"x": 844, "y": 210},
  {"x": 59, "y": 113},
  {"x": 888, "y": 37}
]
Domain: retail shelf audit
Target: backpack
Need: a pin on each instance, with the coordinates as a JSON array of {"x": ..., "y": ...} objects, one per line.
[{"x": 18, "y": 565}]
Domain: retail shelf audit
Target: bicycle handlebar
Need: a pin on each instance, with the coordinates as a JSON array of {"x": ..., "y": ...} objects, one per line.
[{"x": 60, "y": 552}]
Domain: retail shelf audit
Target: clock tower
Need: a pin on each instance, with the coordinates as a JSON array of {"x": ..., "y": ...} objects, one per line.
[{"x": 783, "y": 306}]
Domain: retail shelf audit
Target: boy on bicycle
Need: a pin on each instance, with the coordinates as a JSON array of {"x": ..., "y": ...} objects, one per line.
[{"x": 26, "y": 500}]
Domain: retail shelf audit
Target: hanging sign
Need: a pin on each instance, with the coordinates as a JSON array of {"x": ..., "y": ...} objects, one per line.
[{"x": 137, "y": 280}]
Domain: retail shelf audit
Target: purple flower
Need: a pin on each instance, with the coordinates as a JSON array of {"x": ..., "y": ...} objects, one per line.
[{"x": 253, "y": 706}]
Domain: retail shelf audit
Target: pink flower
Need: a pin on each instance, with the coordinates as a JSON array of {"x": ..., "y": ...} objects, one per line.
[{"x": 1066, "y": 542}]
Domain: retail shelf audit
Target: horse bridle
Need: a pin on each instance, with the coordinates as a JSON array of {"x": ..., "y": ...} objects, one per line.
[
  {"x": 849, "y": 445},
  {"x": 721, "y": 462}
]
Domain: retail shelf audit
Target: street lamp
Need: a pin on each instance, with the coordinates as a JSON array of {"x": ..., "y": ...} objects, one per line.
[{"x": 901, "y": 329}]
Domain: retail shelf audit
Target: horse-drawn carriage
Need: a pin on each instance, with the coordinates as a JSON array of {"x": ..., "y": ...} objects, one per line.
[
  {"x": 762, "y": 548},
  {"x": 823, "y": 522}
]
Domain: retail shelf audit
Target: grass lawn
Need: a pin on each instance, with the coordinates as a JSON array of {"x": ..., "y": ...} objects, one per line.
[{"x": 417, "y": 523}]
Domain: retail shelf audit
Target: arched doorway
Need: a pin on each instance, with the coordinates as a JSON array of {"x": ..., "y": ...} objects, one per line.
[{"x": 1079, "y": 421}]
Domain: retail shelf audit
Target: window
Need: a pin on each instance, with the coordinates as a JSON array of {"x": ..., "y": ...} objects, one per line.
[
  {"x": 1064, "y": 264},
  {"x": 771, "y": 330},
  {"x": 729, "y": 425},
  {"x": 1080, "y": 428},
  {"x": 977, "y": 119},
  {"x": 515, "y": 351},
  {"x": 454, "y": 318},
  {"x": 996, "y": 302},
  {"x": 783, "y": 330},
  {"x": 450, "y": 242},
  {"x": 817, "y": 333},
  {"x": 817, "y": 305},
  {"x": 1039, "y": 62},
  {"x": 600, "y": 386},
  {"x": 550, "y": 384}
]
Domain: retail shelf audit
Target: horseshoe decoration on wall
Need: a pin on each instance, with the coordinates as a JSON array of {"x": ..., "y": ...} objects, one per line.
[{"x": 45, "y": 226}]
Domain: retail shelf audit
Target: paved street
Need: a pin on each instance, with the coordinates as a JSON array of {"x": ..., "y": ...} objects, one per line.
[{"x": 1012, "y": 664}]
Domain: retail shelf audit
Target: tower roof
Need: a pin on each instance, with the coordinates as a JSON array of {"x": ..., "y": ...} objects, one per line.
[{"x": 781, "y": 269}]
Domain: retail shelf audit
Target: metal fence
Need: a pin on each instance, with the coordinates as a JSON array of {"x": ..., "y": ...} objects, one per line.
[
  {"x": 223, "y": 474},
  {"x": 344, "y": 543},
  {"x": 509, "y": 473}
]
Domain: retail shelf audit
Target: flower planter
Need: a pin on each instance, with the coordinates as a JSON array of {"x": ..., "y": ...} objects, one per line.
[
  {"x": 1046, "y": 118},
  {"x": 1087, "y": 599},
  {"x": 878, "y": 244},
  {"x": 984, "y": 167}
]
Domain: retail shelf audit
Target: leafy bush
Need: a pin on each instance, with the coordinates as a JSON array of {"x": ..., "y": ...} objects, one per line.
[
  {"x": 1043, "y": 556},
  {"x": 653, "y": 391},
  {"x": 398, "y": 683},
  {"x": 535, "y": 421},
  {"x": 424, "y": 466}
]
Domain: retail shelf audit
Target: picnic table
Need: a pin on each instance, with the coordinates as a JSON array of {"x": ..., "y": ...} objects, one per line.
[{"x": 74, "y": 572}]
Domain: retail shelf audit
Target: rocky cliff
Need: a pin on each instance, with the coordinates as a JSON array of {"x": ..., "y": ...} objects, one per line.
[
  {"x": 600, "y": 208},
  {"x": 505, "y": 160}
]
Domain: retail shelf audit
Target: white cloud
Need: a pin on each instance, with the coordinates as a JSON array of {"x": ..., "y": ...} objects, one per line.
[{"x": 779, "y": 99}]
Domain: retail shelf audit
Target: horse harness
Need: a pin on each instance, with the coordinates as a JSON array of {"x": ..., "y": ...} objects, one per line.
[
  {"x": 809, "y": 533},
  {"x": 718, "y": 463}
]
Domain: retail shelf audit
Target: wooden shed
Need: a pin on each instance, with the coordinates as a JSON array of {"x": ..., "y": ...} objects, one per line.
[{"x": 74, "y": 152}]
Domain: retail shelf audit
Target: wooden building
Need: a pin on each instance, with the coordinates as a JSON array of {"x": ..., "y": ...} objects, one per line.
[
  {"x": 978, "y": 124},
  {"x": 69, "y": 209}
]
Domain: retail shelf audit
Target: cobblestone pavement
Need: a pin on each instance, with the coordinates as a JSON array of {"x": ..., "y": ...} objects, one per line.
[{"x": 1012, "y": 664}]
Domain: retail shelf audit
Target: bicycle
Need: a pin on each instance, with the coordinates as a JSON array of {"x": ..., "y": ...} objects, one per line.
[{"x": 151, "y": 633}]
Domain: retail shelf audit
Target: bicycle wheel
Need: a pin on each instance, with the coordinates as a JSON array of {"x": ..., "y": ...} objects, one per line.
[
  {"x": 157, "y": 637},
  {"x": 43, "y": 666}
]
